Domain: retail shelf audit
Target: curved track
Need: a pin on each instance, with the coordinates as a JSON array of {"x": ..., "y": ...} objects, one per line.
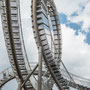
[
  {"x": 81, "y": 82},
  {"x": 40, "y": 24},
  {"x": 39, "y": 32},
  {"x": 11, "y": 28},
  {"x": 5, "y": 80},
  {"x": 41, "y": 9},
  {"x": 5, "y": 76}
]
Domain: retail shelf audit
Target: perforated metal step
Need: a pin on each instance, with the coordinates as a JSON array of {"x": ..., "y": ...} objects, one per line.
[{"x": 11, "y": 28}]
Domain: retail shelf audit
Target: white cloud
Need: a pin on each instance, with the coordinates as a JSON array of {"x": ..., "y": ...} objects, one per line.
[
  {"x": 25, "y": 8},
  {"x": 75, "y": 52},
  {"x": 30, "y": 43},
  {"x": 69, "y": 6},
  {"x": 83, "y": 16}
]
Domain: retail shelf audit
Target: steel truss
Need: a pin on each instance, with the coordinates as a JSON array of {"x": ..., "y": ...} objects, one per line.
[{"x": 45, "y": 24}]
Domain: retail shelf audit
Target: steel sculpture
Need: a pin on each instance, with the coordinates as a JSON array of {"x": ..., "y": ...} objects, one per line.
[
  {"x": 10, "y": 75},
  {"x": 50, "y": 69}
]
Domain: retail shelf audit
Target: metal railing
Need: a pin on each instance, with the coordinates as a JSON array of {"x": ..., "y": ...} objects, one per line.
[
  {"x": 6, "y": 73},
  {"x": 78, "y": 80}
]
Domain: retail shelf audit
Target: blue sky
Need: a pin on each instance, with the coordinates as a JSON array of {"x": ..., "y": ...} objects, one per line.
[
  {"x": 68, "y": 23},
  {"x": 75, "y": 25},
  {"x": 87, "y": 40}
]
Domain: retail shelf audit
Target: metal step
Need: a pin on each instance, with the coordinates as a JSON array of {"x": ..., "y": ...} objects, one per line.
[
  {"x": 54, "y": 70},
  {"x": 16, "y": 39}
]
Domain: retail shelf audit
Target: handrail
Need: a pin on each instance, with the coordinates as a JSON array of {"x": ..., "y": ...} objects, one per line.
[{"x": 82, "y": 79}]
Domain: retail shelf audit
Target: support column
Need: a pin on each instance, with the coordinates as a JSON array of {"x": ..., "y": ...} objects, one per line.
[
  {"x": 27, "y": 78},
  {"x": 40, "y": 69},
  {"x": 19, "y": 85}
]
